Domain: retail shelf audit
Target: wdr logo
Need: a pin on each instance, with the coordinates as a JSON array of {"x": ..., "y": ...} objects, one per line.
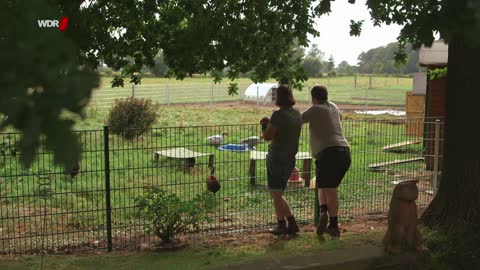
[{"x": 62, "y": 25}]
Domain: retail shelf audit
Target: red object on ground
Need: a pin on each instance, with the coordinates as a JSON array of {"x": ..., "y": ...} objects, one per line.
[{"x": 294, "y": 177}]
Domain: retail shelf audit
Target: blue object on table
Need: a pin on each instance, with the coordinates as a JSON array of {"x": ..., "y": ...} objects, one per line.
[{"x": 235, "y": 147}]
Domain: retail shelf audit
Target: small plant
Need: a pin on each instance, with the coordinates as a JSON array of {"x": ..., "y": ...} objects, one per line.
[
  {"x": 6, "y": 149},
  {"x": 169, "y": 216}
]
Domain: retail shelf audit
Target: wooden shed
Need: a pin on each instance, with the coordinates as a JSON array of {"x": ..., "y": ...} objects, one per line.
[
  {"x": 434, "y": 57},
  {"x": 415, "y": 105}
]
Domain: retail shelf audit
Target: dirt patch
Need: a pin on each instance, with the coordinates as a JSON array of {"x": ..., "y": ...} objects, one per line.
[
  {"x": 361, "y": 98},
  {"x": 259, "y": 238},
  {"x": 252, "y": 105},
  {"x": 364, "y": 225}
]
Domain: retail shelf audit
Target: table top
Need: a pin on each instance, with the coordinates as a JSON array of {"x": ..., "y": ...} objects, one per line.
[
  {"x": 260, "y": 155},
  {"x": 181, "y": 152}
]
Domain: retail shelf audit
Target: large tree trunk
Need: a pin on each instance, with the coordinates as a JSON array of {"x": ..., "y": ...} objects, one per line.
[{"x": 457, "y": 204}]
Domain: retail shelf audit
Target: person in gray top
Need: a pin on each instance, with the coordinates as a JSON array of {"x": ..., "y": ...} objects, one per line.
[
  {"x": 332, "y": 155},
  {"x": 283, "y": 130}
]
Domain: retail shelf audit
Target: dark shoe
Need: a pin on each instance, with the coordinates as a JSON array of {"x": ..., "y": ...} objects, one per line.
[
  {"x": 322, "y": 224},
  {"x": 333, "y": 231},
  {"x": 292, "y": 228},
  {"x": 279, "y": 230}
]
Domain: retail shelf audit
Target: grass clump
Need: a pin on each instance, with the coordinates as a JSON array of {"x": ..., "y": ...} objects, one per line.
[{"x": 454, "y": 250}]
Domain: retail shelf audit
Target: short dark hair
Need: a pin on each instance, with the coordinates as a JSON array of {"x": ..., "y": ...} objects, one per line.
[
  {"x": 284, "y": 96},
  {"x": 320, "y": 92}
]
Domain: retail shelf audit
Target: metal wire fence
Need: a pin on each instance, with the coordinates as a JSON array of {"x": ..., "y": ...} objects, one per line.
[
  {"x": 169, "y": 93},
  {"x": 359, "y": 90},
  {"x": 93, "y": 207}
]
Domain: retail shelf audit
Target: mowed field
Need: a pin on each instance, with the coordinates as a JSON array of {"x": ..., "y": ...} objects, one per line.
[
  {"x": 76, "y": 210},
  {"x": 360, "y": 90}
]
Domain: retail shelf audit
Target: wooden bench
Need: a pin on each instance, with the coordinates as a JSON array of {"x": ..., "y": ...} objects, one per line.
[
  {"x": 187, "y": 155},
  {"x": 305, "y": 171},
  {"x": 379, "y": 166},
  {"x": 397, "y": 147}
]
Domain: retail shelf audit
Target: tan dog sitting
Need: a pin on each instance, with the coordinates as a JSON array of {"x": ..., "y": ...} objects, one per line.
[{"x": 402, "y": 233}]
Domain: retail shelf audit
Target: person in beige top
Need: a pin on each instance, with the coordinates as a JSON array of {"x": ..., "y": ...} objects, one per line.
[{"x": 332, "y": 156}]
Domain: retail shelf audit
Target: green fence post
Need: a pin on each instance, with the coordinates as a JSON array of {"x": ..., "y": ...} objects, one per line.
[
  {"x": 107, "y": 187},
  {"x": 316, "y": 211}
]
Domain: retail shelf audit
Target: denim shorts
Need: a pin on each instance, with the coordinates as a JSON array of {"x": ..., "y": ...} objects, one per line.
[
  {"x": 331, "y": 166},
  {"x": 279, "y": 169}
]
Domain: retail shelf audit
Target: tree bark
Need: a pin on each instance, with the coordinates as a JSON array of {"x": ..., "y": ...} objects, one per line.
[{"x": 456, "y": 206}]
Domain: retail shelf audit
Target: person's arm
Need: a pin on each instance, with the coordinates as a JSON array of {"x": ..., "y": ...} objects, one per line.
[
  {"x": 339, "y": 112},
  {"x": 307, "y": 115},
  {"x": 270, "y": 132}
]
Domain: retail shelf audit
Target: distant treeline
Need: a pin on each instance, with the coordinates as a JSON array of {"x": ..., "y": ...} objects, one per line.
[
  {"x": 380, "y": 61},
  {"x": 375, "y": 61}
]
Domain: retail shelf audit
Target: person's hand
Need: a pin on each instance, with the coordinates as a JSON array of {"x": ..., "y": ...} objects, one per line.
[{"x": 264, "y": 123}]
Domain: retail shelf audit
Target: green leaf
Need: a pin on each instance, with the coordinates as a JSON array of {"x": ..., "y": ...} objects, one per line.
[
  {"x": 324, "y": 7},
  {"x": 356, "y": 27},
  {"x": 438, "y": 73},
  {"x": 233, "y": 89}
]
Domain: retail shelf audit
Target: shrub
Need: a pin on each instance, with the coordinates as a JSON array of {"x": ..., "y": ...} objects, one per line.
[
  {"x": 169, "y": 216},
  {"x": 7, "y": 149},
  {"x": 332, "y": 74},
  {"x": 131, "y": 117}
]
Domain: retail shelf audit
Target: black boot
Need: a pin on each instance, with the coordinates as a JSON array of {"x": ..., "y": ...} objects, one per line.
[
  {"x": 333, "y": 229},
  {"x": 323, "y": 220},
  {"x": 292, "y": 227},
  {"x": 322, "y": 224},
  {"x": 280, "y": 229}
]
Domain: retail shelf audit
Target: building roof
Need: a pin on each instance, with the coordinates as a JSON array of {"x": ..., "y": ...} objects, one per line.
[{"x": 437, "y": 55}]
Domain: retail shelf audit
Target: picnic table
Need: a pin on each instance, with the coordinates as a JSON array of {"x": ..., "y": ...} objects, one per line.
[{"x": 185, "y": 154}]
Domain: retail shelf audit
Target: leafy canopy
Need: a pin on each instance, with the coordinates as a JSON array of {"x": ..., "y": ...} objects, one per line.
[
  {"x": 421, "y": 20},
  {"x": 40, "y": 77},
  {"x": 46, "y": 72}
]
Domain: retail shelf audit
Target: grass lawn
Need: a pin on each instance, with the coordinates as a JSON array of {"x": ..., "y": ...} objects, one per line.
[
  {"x": 196, "y": 257},
  {"x": 388, "y": 91},
  {"x": 76, "y": 207}
]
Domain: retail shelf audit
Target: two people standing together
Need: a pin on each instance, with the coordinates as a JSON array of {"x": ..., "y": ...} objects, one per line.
[{"x": 328, "y": 146}]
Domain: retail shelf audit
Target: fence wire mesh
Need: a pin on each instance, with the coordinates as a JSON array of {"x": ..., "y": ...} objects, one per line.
[
  {"x": 358, "y": 90},
  {"x": 93, "y": 206}
]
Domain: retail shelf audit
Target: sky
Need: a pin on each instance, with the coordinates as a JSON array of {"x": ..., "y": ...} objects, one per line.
[{"x": 334, "y": 31}]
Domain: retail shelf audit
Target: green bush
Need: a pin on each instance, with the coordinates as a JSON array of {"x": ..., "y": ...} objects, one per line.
[
  {"x": 6, "y": 149},
  {"x": 131, "y": 117},
  {"x": 332, "y": 74},
  {"x": 169, "y": 216}
]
